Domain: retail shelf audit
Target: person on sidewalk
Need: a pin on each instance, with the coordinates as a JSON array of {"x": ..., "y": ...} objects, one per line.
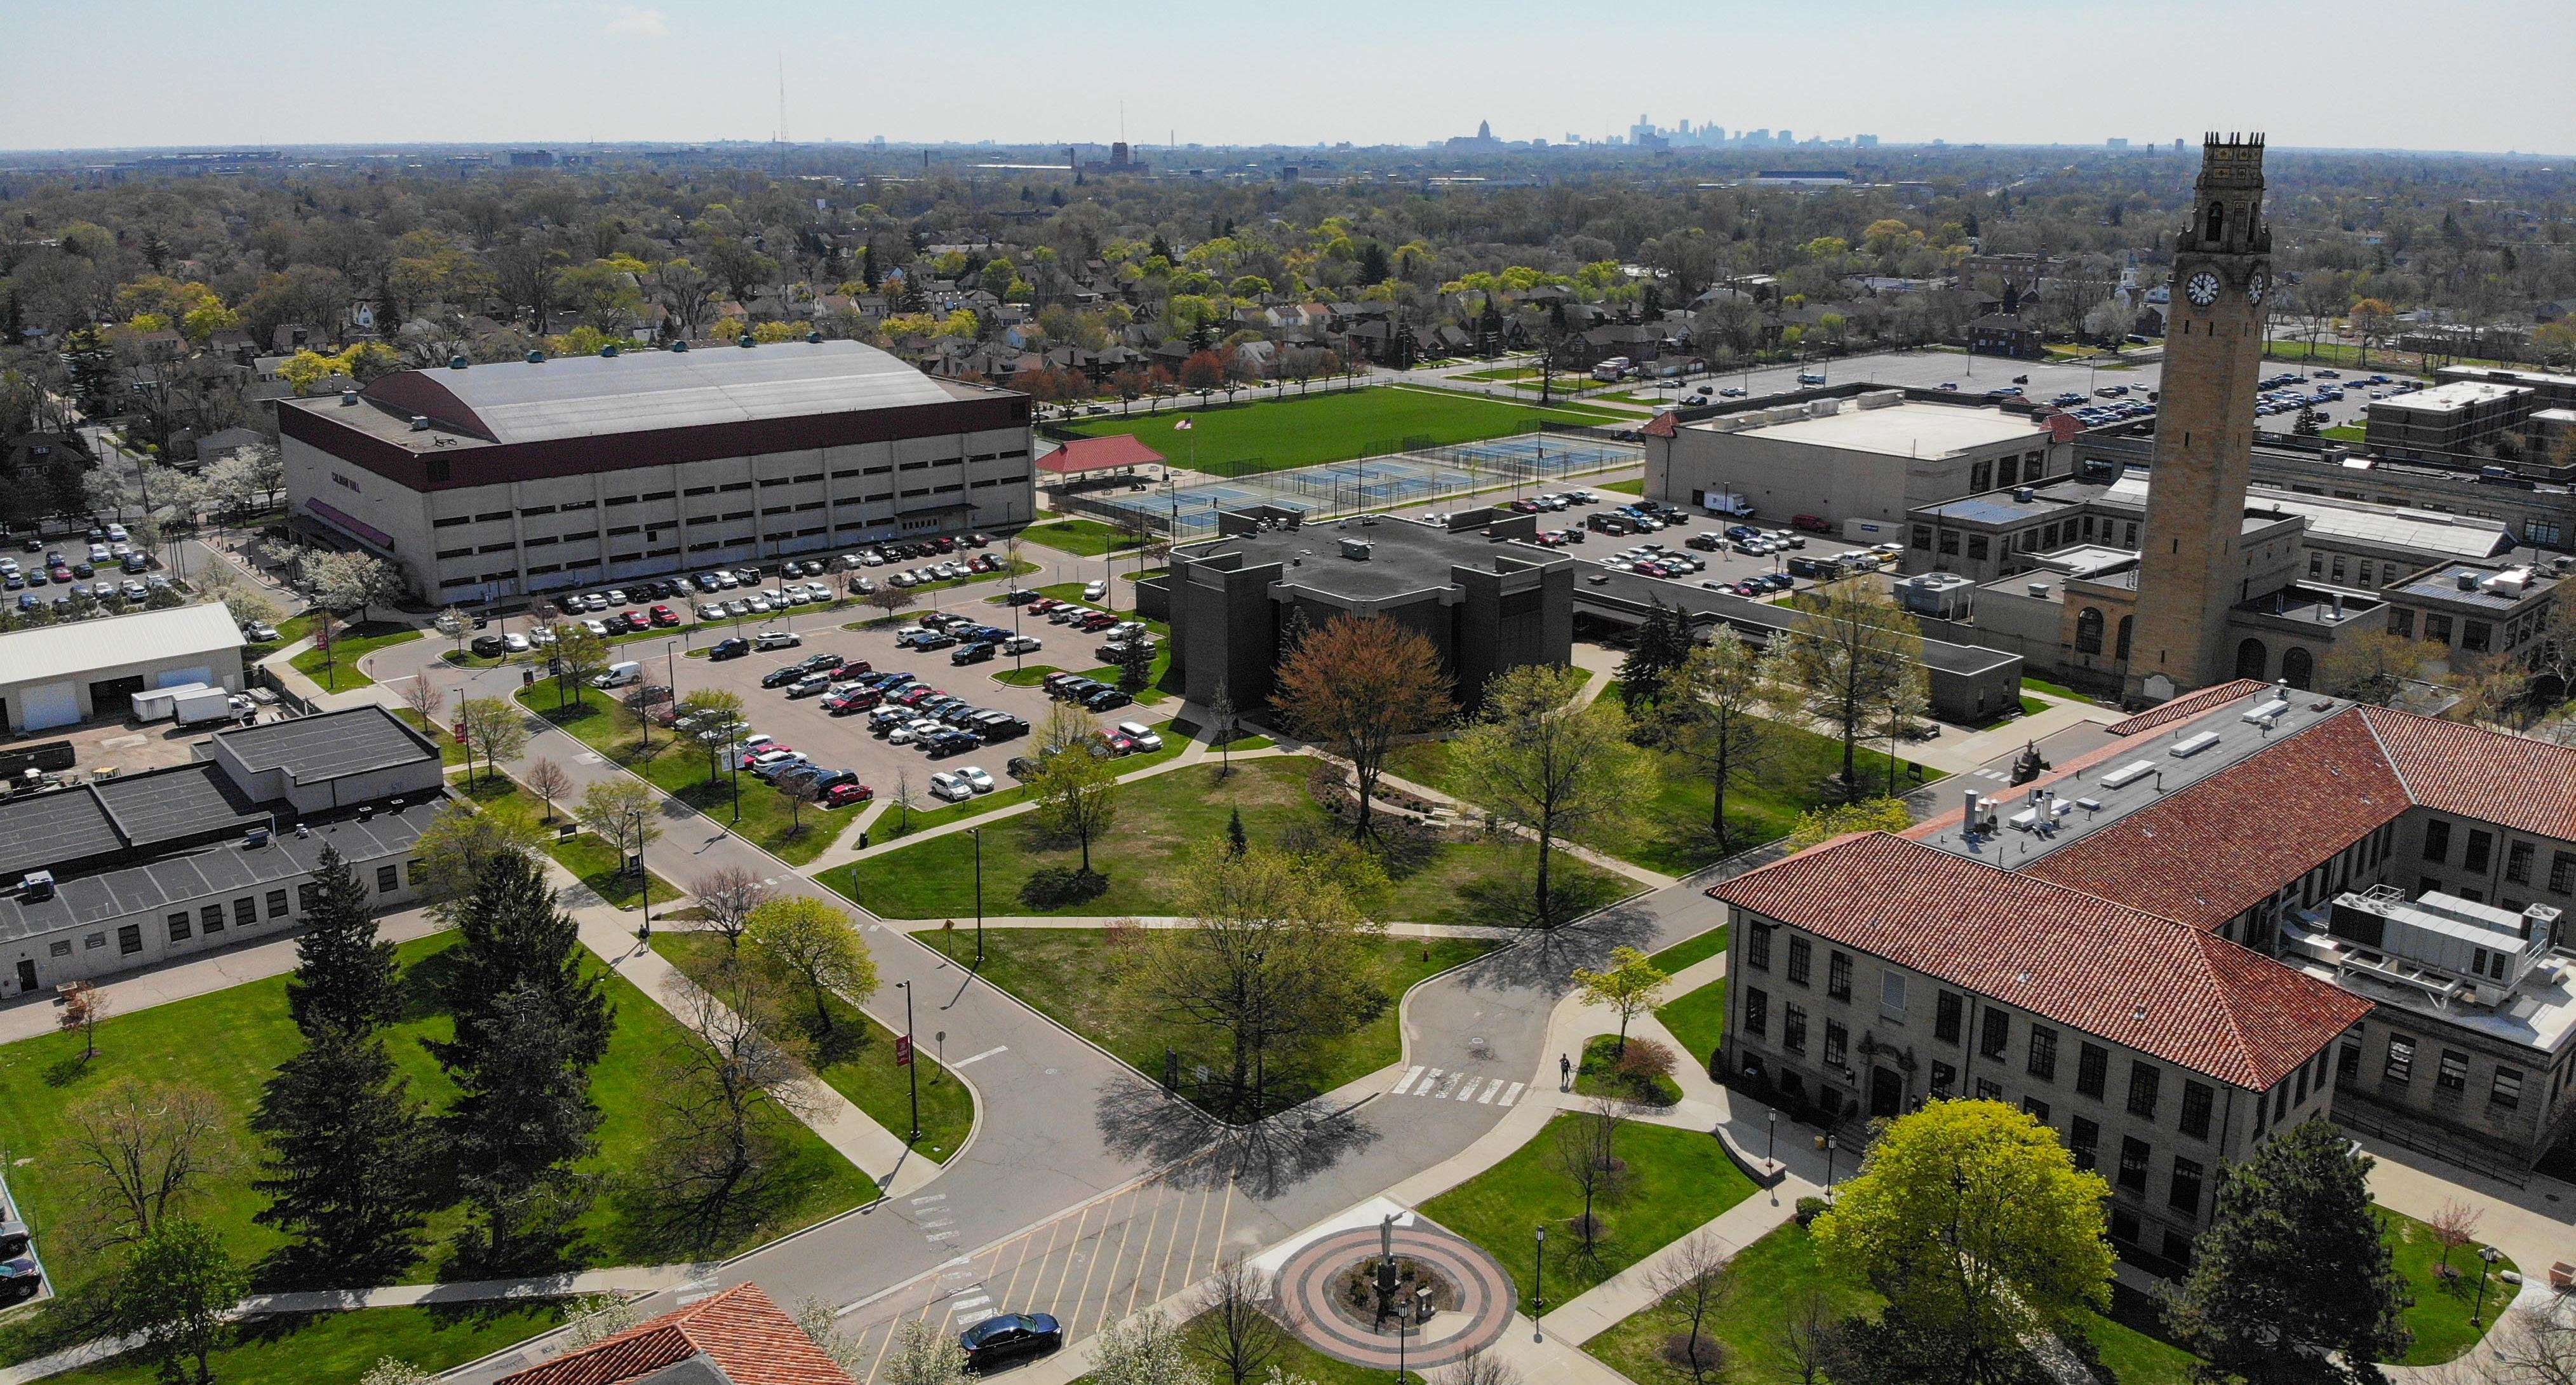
[{"x": 1564, "y": 1072}]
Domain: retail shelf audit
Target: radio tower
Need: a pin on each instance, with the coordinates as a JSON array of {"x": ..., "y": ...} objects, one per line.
[{"x": 780, "y": 138}]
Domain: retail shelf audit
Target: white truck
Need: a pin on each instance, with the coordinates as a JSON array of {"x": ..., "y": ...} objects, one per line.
[
  {"x": 208, "y": 704},
  {"x": 1615, "y": 368}
]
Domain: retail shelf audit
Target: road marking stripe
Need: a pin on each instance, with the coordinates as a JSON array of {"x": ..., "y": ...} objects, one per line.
[
  {"x": 980, "y": 1057},
  {"x": 1136, "y": 1285},
  {"x": 1492, "y": 1088},
  {"x": 929, "y": 1197},
  {"x": 935, "y": 1225},
  {"x": 1514, "y": 1094},
  {"x": 1402, "y": 1084},
  {"x": 1224, "y": 1218},
  {"x": 964, "y": 1305}
]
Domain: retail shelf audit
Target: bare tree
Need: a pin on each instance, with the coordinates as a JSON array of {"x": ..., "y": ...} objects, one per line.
[
  {"x": 1694, "y": 1283},
  {"x": 1803, "y": 1336},
  {"x": 426, "y": 699},
  {"x": 1228, "y": 1330},
  {"x": 2454, "y": 1225},
  {"x": 1477, "y": 1368},
  {"x": 623, "y": 811},
  {"x": 1586, "y": 1152},
  {"x": 84, "y": 1005},
  {"x": 1540, "y": 758},
  {"x": 1221, "y": 723},
  {"x": 727, "y": 896},
  {"x": 729, "y": 1096},
  {"x": 549, "y": 781},
  {"x": 144, "y": 1152}
]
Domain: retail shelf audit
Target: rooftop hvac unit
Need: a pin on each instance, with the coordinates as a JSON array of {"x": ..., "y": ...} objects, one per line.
[
  {"x": 2039, "y": 589},
  {"x": 1824, "y": 408},
  {"x": 1357, "y": 550},
  {"x": 420, "y": 423},
  {"x": 2184, "y": 750},
  {"x": 39, "y": 885},
  {"x": 2468, "y": 580},
  {"x": 2128, "y": 774},
  {"x": 2025, "y": 494},
  {"x": 348, "y": 397},
  {"x": 2266, "y": 711}
]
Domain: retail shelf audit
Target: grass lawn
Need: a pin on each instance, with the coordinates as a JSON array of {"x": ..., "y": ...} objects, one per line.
[
  {"x": 1270, "y": 435},
  {"x": 1670, "y": 832},
  {"x": 292, "y": 1349},
  {"x": 2346, "y": 432},
  {"x": 931, "y": 812},
  {"x": 347, "y": 648},
  {"x": 1056, "y": 971},
  {"x": 795, "y": 834},
  {"x": 1162, "y": 820},
  {"x": 2440, "y": 1317},
  {"x": 858, "y": 1061},
  {"x": 230, "y": 1041},
  {"x": 2061, "y": 692},
  {"x": 1697, "y": 1020},
  {"x": 450, "y": 752},
  {"x": 1676, "y": 1180},
  {"x": 589, "y": 857},
  {"x": 1691, "y": 950},
  {"x": 1599, "y": 1075},
  {"x": 1781, "y": 1268},
  {"x": 1087, "y": 538},
  {"x": 1635, "y": 487},
  {"x": 288, "y": 632}
]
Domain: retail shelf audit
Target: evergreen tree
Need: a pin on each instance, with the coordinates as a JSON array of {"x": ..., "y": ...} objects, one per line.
[
  {"x": 1374, "y": 268},
  {"x": 515, "y": 937},
  {"x": 523, "y": 1119},
  {"x": 345, "y": 1142},
  {"x": 1160, "y": 247},
  {"x": 1663, "y": 642},
  {"x": 1236, "y": 842},
  {"x": 868, "y": 266},
  {"x": 92, "y": 363},
  {"x": 346, "y": 980},
  {"x": 2309, "y": 425},
  {"x": 2293, "y": 1283}
]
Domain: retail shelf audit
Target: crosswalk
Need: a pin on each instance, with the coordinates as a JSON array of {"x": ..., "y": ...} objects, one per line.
[
  {"x": 1438, "y": 1084},
  {"x": 1995, "y": 774}
]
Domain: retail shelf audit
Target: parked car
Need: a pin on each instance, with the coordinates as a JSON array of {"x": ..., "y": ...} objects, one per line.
[
  {"x": 729, "y": 649},
  {"x": 1106, "y": 699},
  {"x": 22, "y": 1277},
  {"x": 1144, "y": 736},
  {"x": 951, "y": 786},
  {"x": 847, "y": 795}
]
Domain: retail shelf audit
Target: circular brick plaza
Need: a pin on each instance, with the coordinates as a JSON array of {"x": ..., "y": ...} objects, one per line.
[{"x": 1313, "y": 1297}]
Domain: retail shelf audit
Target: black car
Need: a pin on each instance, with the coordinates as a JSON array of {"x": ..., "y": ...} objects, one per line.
[
  {"x": 932, "y": 640},
  {"x": 729, "y": 649},
  {"x": 948, "y": 743},
  {"x": 1019, "y": 597},
  {"x": 816, "y": 663},
  {"x": 1021, "y": 767},
  {"x": 781, "y": 677},
  {"x": 1105, "y": 699},
  {"x": 1008, "y": 1336},
  {"x": 487, "y": 646},
  {"x": 21, "y": 1277},
  {"x": 972, "y": 654}
]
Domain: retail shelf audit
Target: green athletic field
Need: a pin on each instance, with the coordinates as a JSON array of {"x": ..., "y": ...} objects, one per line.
[{"x": 1272, "y": 435}]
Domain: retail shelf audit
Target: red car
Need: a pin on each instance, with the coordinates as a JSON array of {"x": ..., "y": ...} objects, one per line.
[
  {"x": 665, "y": 616},
  {"x": 855, "y": 700},
  {"x": 1043, "y": 605},
  {"x": 1118, "y": 744},
  {"x": 1098, "y": 620},
  {"x": 917, "y": 693},
  {"x": 844, "y": 795},
  {"x": 635, "y": 621}
]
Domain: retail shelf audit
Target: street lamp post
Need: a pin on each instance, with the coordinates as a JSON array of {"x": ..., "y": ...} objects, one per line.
[
  {"x": 978, "y": 834},
  {"x": 912, "y": 1060},
  {"x": 643, "y": 879},
  {"x": 1829, "y": 1167},
  {"x": 2487, "y": 1256},
  {"x": 1771, "y": 1149},
  {"x": 1538, "y": 1289}
]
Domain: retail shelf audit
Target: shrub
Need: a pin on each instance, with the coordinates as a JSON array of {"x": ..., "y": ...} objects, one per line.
[
  {"x": 1810, "y": 1208},
  {"x": 1646, "y": 1063},
  {"x": 1056, "y": 886}
]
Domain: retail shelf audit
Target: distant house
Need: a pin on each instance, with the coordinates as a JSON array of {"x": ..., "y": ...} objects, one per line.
[
  {"x": 2005, "y": 334},
  {"x": 220, "y": 446}
]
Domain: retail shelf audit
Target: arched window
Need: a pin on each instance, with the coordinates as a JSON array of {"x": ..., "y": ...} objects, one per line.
[
  {"x": 2298, "y": 667},
  {"x": 2128, "y": 624},
  {"x": 2088, "y": 631},
  {"x": 2252, "y": 659},
  {"x": 2217, "y": 221}
]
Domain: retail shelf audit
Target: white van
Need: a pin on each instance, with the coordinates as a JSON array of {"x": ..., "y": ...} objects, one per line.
[{"x": 619, "y": 675}]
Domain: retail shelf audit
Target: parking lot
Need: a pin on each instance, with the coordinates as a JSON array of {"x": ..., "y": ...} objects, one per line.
[{"x": 1701, "y": 544}]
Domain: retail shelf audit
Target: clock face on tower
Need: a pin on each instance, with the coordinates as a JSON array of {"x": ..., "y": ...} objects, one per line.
[
  {"x": 2203, "y": 288},
  {"x": 2254, "y": 287}
]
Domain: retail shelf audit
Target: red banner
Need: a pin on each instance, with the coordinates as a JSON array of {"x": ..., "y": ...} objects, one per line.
[{"x": 903, "y": 1050}]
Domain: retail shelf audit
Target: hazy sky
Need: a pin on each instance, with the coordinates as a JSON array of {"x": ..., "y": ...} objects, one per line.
[{"x": 2462, "y": 74}]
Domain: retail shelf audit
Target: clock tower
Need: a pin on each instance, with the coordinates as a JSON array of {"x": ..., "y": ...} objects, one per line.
[{"x": 2204, "y": 429}]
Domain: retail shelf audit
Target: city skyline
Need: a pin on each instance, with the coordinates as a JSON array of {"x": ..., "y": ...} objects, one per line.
[{"x": 576, "y": 71}]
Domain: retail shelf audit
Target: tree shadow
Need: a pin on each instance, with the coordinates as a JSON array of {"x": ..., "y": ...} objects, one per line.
[
  {"x": 424, "y": 986},
  {"x": 1544, "y": 959},
  {"x": 1264, "y": 1158},
  {"x": 63, "y": 1072}
]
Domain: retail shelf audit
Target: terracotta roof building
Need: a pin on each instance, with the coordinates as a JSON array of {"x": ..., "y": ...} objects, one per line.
[{"x": 737, "y": 1337}]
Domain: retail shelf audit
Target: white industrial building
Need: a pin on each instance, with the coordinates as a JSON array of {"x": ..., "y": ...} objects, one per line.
[{"x": 59, "y": 675}]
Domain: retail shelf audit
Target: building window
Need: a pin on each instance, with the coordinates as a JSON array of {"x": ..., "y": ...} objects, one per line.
[
  {"x": 2476, "y": 635},
  {"x": 2316, "y": 564},
  {"x": 2402, "y": 621},
  {"x": 1801, "y": 960},
  {"x": 1946, "y": 1018},
  {"x": 180, "y": 929},
  {"x": 246, "y": 912},
  {"x": 1996, "y": 1034},
  {"x": 2507, "y": 1091},
  {"x": 2036, "y": 1109},
  {"x": 1793, "y": 1029},
  {"x": 388, "y": 879},
  {"x": 1978, "y": 546},
  {"x": 1891, "y": 997},
  {"x": 2562, "y": 872},
  {"x": 1757, "y": 947},
  {"x": 2481, "y": 845},
  {"x": 1989, "y": 1090},
  {"x": 2084, "y": 1139},
  {"x": 2401, "y": 1059},
  {"x": 1757, "y": 1012},
  {"x": 2452, "y": 1074},
  {"x": 2143, "y": 1078},
  {"x": 1950, "y": 542},
  {"x": 2197, "y": 1100},
  {"x": 1981, "y": 476},
  {"x": 1923, "y": 536},
  {"x": 129, "y": 939},
  {"x": 1837, "y": 1040},
  {"x": 2348, "y": 1061},
  {"x": 2134, "y": 1155},
  {"x": 1944, "y": 1077},
  {"x": 2517, "y": 862},
  {"x": 2183, "y": 1194},
  {"x": 2437, "y": 627},
  {"x": 2437, "y": 839},
  {"x": 306, "y": 894},
  {"x": 2043, "y": 1053},
  {"x": 277, "y": 904},
  {"x": 210, "y": 919},
  {"x": 2092, "y": 1070},
  {"x": 1838, "y": 975}
]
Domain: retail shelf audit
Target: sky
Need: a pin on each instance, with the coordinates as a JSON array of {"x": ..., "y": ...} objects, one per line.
[{"x": 2481, "y": 75}]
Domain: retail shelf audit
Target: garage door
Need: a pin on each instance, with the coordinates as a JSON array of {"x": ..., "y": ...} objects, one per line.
[
  {"x": 182, "y": 677},
  {"x": 54, "y": 704}
]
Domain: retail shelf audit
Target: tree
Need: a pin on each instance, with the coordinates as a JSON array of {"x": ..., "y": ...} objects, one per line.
[
  {"x": 2455, "y": 1224},
  {"x": 625, "y": 813},
  {"x": 426, "y": 700},
  {"x": 144, "y": 1152},
  {"x": 1356, "y": 687},
  {"x": 1536, "y": 758},
  {"x": 455, "y": 845},
  {"x": 1826, "y": 823},
  {"x": 1660, "y": 646},
  {"x": 1693, "y": 1282},
  {"x": 1075, "y": 790},
  {"x": 1143, "y": 1348},
  {"x": 1723, "y": 710},
  {"x": 817, "y": 1318},
  {"x": 495, "y": 728},
  {"x": 1585, "y": 1149},
  {"x": 1231, "y": 1331},
  {"x": 890, "y": 599},
  {"x": 1479, "y": 1368},
  {"x": 802, "y": 941},
  {"x": 924, "y": 1355},
  {"x": 1971, "y": 1217},
  {"x": 594, "y": 1318},
  {"x": 579, "y": 656},
  {"x": 2293, "y": 1282},
  {"x": 345, "y": 1142},
  {"x": 1222, "y": 721},
  {"x": 2533, "y": 1346},
  {"x": 728, "y": 1099},
  {"x": 1803, "y": 1337},
  {"x": 1850, "y": 648},
  {"x": 1237, "y": 841},
  {"x": 177, "y": 1294},
  {"x": 727, "y": 896},
  {"x": 346, "y": 582},
  {"x": 84, "y": 1005},
  {"x": 346, "y": 980},
  {"x": 1632, "y": 985},
  {"x": 1135, "y": 665},
  {"x": 391, "y": 1370},
  {"x": 523, "y": 1118},
  {"x": 1273, "y": 961},
  {"x": 2373, "y": 667},
  {"x": 548, "y": 781},
  {"x": 513, "y": 937}
]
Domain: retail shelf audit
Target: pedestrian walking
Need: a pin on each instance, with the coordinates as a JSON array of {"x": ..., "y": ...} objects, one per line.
[{"x": 1564, "y": 1072}]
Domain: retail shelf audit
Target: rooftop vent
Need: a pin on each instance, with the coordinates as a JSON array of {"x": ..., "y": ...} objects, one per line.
[
  {"x": 2039, "y": 589},
  {"x": 2468, "y": 580},
  {"x": 1357, "y": 550},
  {"x": 348, "y": 397},
  {"x": 366, "y": 811},
  {"x": 420, "y": 423},
  {"x": 302, "y": 831},
  {"x": 457, "y": 363},
  {"x": 258, "y": 836},
  {"x": 39, "y": 885},
  {"x": 2025, "y": 494}
]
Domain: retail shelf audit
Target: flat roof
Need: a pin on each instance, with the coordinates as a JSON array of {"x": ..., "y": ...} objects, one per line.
[
  {"x": 2537, "y": 1013},
  {"x": 2449, "y": 398},
  {"x": 63, "y": 828},
  {"x": 1904, "y": 429},
  {"x": 49, "y": 653},
  {"x": 2443, "y": 584},
  {"x": 333, "y": 745},
  {"x": 1636, "y": 590},
  {"x": 2358, "y": 521},
  {"x": 1405, "y": 555}
]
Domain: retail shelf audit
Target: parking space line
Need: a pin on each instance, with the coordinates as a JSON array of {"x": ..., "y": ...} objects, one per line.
[{"x": 1136, "y": 1285}]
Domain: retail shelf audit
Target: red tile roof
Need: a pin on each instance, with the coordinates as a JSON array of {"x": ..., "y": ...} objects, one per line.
[
  {"x": 2511, "y": 781},
  {"x": 1092, "y": 454},
  {"x": 1667, "y": 424},
  {"x": 2209, "y": 852},
  {"x": 2189, "y": 705},
  {"x": 740, "y": 1330},
  {"x": 2134, "y": 978}
]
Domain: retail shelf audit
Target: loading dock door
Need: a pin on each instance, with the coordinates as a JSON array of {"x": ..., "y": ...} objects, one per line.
[
  {"x": 52, "y": 704},
  {"x": 112, "y": 695}
]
